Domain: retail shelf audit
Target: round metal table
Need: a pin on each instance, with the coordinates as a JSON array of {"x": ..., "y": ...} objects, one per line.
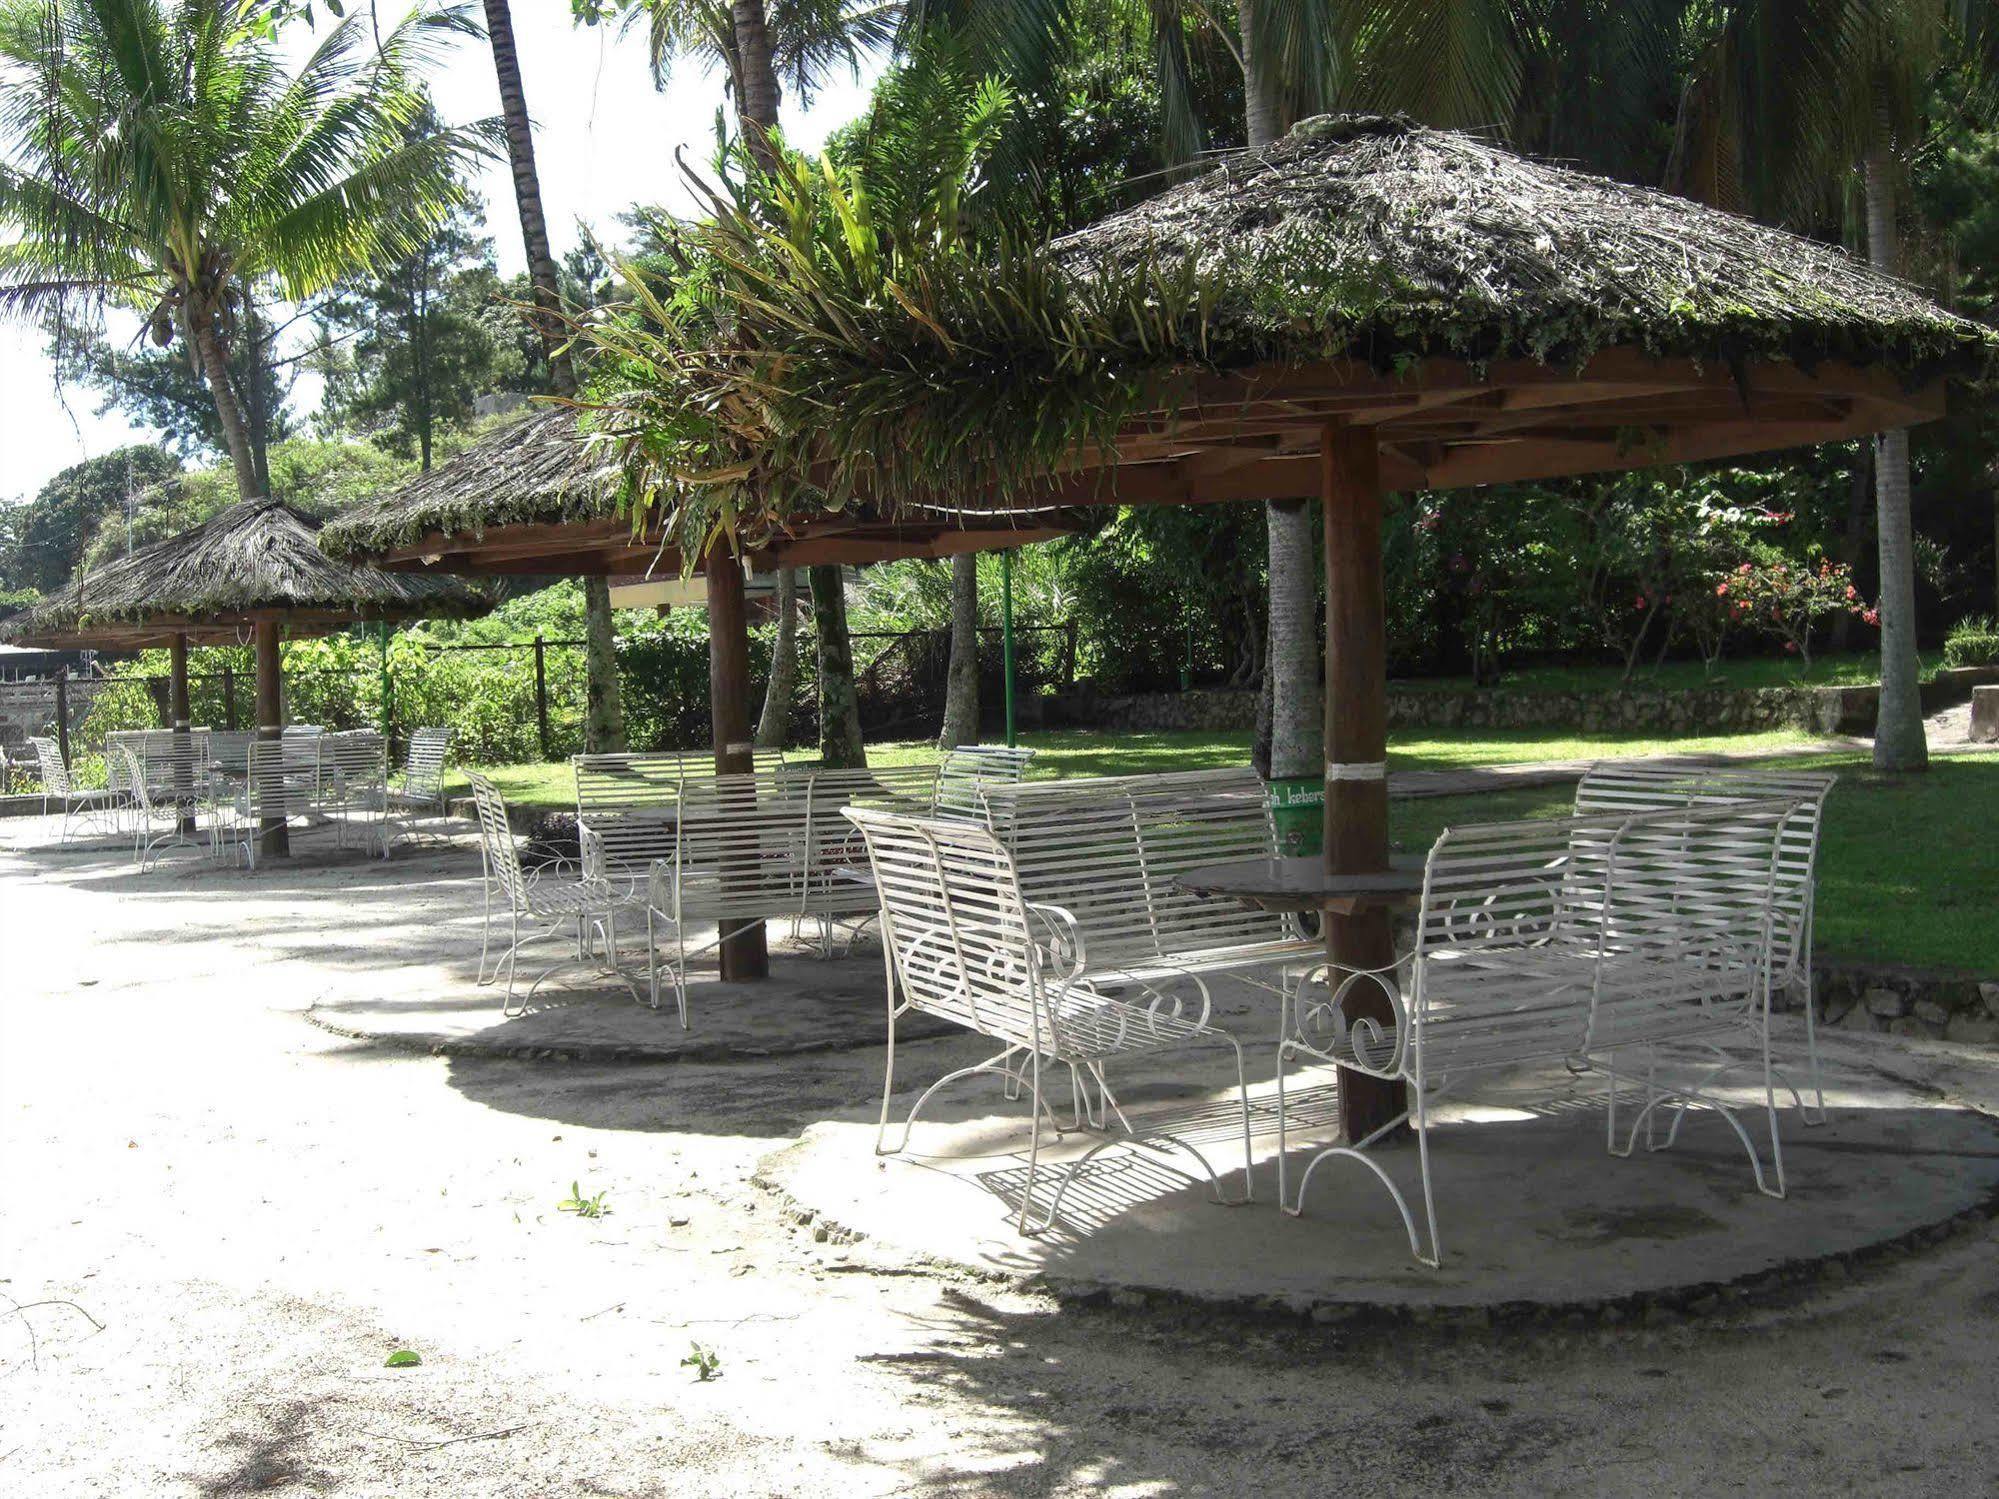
[{"x": 1353, "y": 911}]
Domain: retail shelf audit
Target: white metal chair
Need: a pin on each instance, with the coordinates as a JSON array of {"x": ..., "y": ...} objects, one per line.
[
  {"x": 353, "y": 784},
  {"x": 549, "y": 902},
  {"x": 1567, "y": 941},
  {"x": 421, "y": 792},
  {"x": 277, "y": 785},
  {"x": 961, "y": 943},
  {"x": 1613, "y": 786},
  {"x": 964, "y": 773},
  {"x": 168, "y": 789},
  {"x": 76, "y": 803}
]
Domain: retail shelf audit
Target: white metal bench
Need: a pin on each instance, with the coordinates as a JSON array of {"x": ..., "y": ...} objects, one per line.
[
  {"x": 964, "y": 773},
  {"x": 1613, "y": 786},
  {"x": 279, "y": 783},
  {"x": 964, "y": 944},
  {"x": 1108, "y": 851},
  {"x": 1562, "y": 940},
  {"x": 421, "y": 791}
]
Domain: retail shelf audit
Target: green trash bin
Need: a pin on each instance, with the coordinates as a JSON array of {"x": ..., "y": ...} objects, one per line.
[{"x": 1298, "y": 808}]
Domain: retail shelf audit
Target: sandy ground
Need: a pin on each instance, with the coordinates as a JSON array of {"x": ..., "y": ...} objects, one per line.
[{"x": 249, "y": 1215}]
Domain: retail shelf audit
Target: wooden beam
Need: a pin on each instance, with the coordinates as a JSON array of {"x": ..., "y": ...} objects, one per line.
[{"x": 274, "y": 838}]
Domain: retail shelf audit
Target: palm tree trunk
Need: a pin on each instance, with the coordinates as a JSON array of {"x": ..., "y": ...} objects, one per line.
[
  {"x": 604, "y": 713},
  {"x": 961, "y": 690},
  {"x": 604, "y": 718},
  {"x": 1899, "y": 742},
  {"x": 840, "y": 743},
  {"x": 527, "y": 194},
  {"x": 215, "y": 368},
  {"x": 757, "y": 94},
  {"x": 774, "y": 723},
  {"x": 1291, "y": 681}
]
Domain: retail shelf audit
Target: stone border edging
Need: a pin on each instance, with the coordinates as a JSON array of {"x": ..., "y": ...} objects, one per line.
[{"x": 592, "y": 1053}]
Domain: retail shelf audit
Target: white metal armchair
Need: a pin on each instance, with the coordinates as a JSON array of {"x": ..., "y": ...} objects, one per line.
[
  {"x": 549, "y": 902},
  {"x": 78, "y": 804},
  {"x": 420, "y": 792},
  {"x": 960, "y": 943}
]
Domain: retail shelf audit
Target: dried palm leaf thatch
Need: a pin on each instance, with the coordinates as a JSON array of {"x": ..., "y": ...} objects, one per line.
[
  {"x": 827, "y": 357},
  {"x": 257, "y": 557},
  {"x": 535, "y": 469}
]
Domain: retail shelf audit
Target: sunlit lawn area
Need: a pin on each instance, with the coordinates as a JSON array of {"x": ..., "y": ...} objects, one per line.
[{"x": 1909, "y": 873}]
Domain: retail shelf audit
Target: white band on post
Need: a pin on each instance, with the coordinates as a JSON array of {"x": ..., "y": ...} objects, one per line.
[
  {"x": 1371, "y": 770},
  {"x": 738, "y": 747}
]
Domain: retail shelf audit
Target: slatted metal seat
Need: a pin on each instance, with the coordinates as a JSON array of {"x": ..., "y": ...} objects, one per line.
[
  {"x": 1612, "y": 786},
  {"x": 1109, "y": 850},
  {"x": 1567, "y": 940},
  {"x": 352, "y": 785},
  {"x": 169, "y": 784},
  {"x": 77, "y": 804},
  {"x": 964, "y": 944},
  {"x": 547, "y": 902},
  {"x": 280, "y": 782}
]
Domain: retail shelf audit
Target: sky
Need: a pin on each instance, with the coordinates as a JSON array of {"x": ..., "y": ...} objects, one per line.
[{"x": 604, "y": 140}]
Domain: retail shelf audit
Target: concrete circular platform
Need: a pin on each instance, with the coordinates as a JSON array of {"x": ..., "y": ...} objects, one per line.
[
  {"x": 1536, "y": 1218},
  {"x": 807, "y": 1005}
]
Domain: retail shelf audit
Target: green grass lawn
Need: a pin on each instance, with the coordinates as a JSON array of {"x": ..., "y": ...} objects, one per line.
[{"x": 1909, "y": 871}]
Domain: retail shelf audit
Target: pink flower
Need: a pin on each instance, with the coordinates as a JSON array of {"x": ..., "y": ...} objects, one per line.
[
  {"x": 1721, "y": 590},
  {"x": 1872, "y": 616},
  {"x": 1852, "y": 592},
  {"x": 1744, "y": 568},
  {"x": 1790, "y": 648}
]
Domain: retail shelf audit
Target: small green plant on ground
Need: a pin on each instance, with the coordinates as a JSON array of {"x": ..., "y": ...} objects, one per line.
[
  {"x": 584, "y": 1207},
  {"x": 705, "y": 1362},
  {"x": 1973, "y": 642}
]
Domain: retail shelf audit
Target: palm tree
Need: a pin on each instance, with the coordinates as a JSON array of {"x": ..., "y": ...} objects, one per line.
[
  {"x": 756, "y": 43},
  {"x": 961, "y": 683},
  {"x": 603, "y": 714},
  {"x": 1787, "y": 100},
  {"x": 158, "y": 155}
]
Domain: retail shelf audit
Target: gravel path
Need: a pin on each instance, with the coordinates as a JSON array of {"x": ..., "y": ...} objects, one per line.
[{"x": 257, "y": 1214}]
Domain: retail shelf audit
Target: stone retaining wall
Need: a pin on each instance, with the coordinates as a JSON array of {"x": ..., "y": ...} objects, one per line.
[
  {"x": 1712, "y": 710},
  {"x": 1909, "y": 1002}
]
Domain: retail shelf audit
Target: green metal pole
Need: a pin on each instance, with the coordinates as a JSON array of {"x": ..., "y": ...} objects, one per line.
[
  {"x": 1006, "y": 639},
  {"x": 388, "y": 714}
]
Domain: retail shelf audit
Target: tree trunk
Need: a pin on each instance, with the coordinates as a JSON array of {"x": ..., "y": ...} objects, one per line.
[
  {"x": 757, "y": 92},
  {"x": 1291, "y": 681},
  {"x": 961, "y": 690},
  {"x": 257, "y": 418},
  {"x": 215, "y": 368},
  {"x": 840, "y": 744},
  {"x": 774, "y": 724},
  {"x": 604, "y": 714},
  {"x": 527, "y": 194},
  {"x": 1899, "y": 743}
]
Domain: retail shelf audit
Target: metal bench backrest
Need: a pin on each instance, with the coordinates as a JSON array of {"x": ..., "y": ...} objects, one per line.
[
  {"x": 230, "y": 748},
  {"x": 631, "y": 782},
  {"x": 736, "y": 844},
  {"x": 955, "y": 926},
  {"x": 130, "y": 776},
  {"x": 49, "y": 767},
  {"x": 964, "y": 773},
  {"x": 423, "y": 762},
  {"x": 273, "y": 785},
  {"x": 168, "y": 759},
  {"x": 496, "y": 838},
  {"x": 1108, "y": 850},
  {"x": 353, "y": 766},
  {"x": 1609, "y": 786},
  {"x": 910, "y": 790}
]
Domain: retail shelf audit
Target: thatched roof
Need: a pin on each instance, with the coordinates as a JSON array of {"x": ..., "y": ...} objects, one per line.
[
  {"x": 1386, "y": 240},
  {"x": 257, "y": 559},
  {"x": 536, "y": 470}
]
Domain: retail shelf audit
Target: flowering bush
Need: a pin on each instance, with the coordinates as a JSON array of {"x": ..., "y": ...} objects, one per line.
[{"x": 1789, "y": 601}]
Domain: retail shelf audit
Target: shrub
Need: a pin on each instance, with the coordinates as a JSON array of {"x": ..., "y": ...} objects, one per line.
[{"x": 1973, "y": 642}]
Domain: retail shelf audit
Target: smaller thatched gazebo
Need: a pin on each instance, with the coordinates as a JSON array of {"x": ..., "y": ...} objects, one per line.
[{"x": 254, "y": 572}]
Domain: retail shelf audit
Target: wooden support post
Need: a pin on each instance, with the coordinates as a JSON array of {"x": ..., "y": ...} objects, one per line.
[
  {"x": 1357, "y": 740},
  {"x": 182, "y": 721},
  {"x": 270, "y": 724},
  {"x": 541, "y": 692},
  {"x": 745, "y": 957}
]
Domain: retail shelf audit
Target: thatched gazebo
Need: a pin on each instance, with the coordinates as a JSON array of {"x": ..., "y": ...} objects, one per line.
[
  {"x": 1366, "y": 305},
  {"x": 252, "y": 573}
]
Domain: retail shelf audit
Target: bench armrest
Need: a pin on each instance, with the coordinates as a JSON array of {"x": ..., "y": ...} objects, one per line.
[{"x": 1063, "y": 944}]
